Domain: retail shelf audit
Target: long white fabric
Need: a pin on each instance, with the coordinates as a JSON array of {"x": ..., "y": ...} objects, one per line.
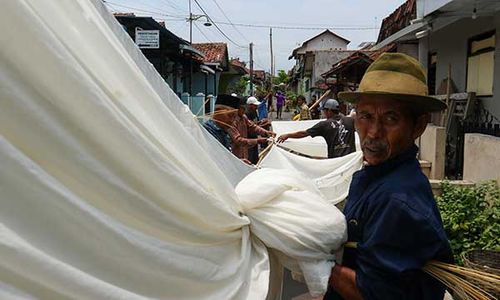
[
  {"x": 110, "y": 188},
  {"x": 312, "y": 146},
  {"x": 330, "y": 176}
]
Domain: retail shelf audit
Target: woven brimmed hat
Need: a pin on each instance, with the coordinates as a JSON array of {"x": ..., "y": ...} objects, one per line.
[{"x": 396, "y": 76}]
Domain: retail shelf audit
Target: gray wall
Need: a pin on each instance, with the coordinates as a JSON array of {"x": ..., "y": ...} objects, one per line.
[{"x": 451, "y": 44}]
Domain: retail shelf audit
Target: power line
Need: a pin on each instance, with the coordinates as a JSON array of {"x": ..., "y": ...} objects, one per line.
[
  {"x": 227, "y": 18},
  {"x": 174, "y": 6},
  {"x": 199, "y": 29},
  {"x": 216, "y": 26},
  {"x": 143, "y": 10},
  {"x": 299, "y": 27}
]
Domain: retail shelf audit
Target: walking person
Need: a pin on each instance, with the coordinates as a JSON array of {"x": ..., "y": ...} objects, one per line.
[{"x": 280, "y": 102}]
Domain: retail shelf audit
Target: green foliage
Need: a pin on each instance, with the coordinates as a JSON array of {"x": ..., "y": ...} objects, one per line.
[
  {"x": 282, "y": 78},
  {"x": 240, "y": 86},
  {"x": 471, "y": 217}
]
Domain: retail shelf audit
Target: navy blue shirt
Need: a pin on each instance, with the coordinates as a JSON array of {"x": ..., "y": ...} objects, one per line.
[
  {"x": 220, "y": 134},
  {"x": 392, "y": 215}
]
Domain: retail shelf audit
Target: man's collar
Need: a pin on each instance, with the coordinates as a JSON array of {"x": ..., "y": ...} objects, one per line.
[{"x": 394, "y": 162}]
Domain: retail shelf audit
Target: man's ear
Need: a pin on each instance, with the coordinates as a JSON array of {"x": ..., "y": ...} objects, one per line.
[{"x": 420, "y": 125}]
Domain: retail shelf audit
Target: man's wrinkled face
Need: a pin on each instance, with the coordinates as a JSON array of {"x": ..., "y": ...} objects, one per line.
[{"x": 386, "y": 128}]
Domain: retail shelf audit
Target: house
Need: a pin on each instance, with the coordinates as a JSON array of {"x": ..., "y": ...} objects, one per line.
[
  {"x": 230, "y": 79},
  {"x": 207, "y": 81},
  {"x": 346, "y": 74},
  {"x": 171, "y": 56},
  {"x": 395, "y": 28},
  {"x": 315, "y": 57},
  {"x": 457, "y": 41}
]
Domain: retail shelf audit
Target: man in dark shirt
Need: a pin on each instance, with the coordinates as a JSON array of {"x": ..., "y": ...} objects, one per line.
[
  {"x": 394, "y": 226},
  {"x": 338, "y": 131},
  {"x": 226, "y": 110}
]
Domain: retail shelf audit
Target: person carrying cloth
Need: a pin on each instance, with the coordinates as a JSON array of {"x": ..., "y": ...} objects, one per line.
[
  {"x": 394, "y": 226},
  {"x": 338, "y": 131}
]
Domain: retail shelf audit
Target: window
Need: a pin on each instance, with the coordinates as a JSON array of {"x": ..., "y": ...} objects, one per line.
[{"x": 480, "y": 64}]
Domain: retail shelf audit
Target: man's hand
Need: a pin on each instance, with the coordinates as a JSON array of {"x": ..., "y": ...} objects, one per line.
[
  {"x": 262, "y": 140},
  {"x": 282, "y": 138},
  {"x": 271, "y": 134}
]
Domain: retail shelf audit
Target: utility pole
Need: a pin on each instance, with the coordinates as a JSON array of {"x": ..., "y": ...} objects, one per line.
[
  {"x": 251, "y": 69},
  {"x": 272, "y": 56}
]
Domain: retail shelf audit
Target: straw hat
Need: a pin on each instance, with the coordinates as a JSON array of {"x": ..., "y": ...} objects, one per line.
[{"x": 396, "y": 76}]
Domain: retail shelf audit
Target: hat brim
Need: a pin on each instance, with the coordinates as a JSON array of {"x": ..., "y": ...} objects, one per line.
[{"x": 421, "y": 103}]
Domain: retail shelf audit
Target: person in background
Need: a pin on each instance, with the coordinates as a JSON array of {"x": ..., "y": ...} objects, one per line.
[
  {"x": 262, "y": 111},
  {"x": 269, "y": 97},
  {"x": 338, "y": 131},
  {"x": 280, "y": 102},
  {"x": 241, "y": 139},
  {"x": 225, "y": 111},
  {"x": 393, "y": 223},
  {"x": 251, "y": 114},
  {"x": 315, "y": 112},
  {"x": 304, "y": 112}
]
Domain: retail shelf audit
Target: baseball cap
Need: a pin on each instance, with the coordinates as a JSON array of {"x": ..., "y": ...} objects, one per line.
[
  {"x": 253, "y": 100},
  {"x": 331, "y": 104}
]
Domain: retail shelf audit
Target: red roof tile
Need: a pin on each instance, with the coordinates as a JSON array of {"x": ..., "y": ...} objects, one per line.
[
  {"x": 259, "y": 74},
  {"x": 398, "y": 20},
  {"x": 214, "y": 52}
]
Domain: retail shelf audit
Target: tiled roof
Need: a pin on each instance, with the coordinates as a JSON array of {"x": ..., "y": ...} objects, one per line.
[
  {"x": 360, "y": 55},
  {"x": 237, "y": 62},
  {"x": 214, "y": 52},
  {"x": 392, "y": 47},
  {"x": 398, "y": 20},
  {"x": 259, "y": 74}
]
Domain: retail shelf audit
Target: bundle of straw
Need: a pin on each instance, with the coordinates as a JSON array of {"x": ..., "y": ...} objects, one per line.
[{"x": 466, "y": 283}]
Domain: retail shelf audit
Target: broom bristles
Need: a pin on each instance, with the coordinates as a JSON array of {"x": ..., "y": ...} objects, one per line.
[{"x": 467, "y": 283}]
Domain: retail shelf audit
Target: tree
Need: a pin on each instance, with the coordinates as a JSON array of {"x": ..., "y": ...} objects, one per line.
[
  {"x": 240, "y": 86},
  {"x": 282, "y": 78}
]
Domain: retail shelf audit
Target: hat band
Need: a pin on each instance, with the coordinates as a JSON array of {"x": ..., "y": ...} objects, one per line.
[{"x": 392, "y": 82}]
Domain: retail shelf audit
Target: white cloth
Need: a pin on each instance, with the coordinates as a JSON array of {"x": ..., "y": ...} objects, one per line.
[
  {"x": 331, "y": 177},
  {"x": 275, "y": 200},
  {"x": 110, "y": 188}
]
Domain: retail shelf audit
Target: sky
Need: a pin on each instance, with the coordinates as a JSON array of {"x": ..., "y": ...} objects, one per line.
[{"x": 356, "y": 20}]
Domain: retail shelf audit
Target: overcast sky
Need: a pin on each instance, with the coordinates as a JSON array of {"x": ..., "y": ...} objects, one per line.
[{"x": 362, "y": 16}]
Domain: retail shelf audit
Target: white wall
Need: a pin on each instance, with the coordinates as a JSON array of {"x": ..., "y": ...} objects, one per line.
[
  {"x": 481, "y": 157},
  {"x": 432, "y": 146},
  {"x": 451, "y": 44},
  {"x": 425, "y": 7},
  {"x": 325, "y": 41}
]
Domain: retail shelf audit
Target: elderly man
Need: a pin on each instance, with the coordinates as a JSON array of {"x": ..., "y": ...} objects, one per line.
[
  {"x": 246, "y": 134},
  {"x": 338, "y": 131},
  {"x": 394, "y": 226},
  {"x": 226, "y": 110}
]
